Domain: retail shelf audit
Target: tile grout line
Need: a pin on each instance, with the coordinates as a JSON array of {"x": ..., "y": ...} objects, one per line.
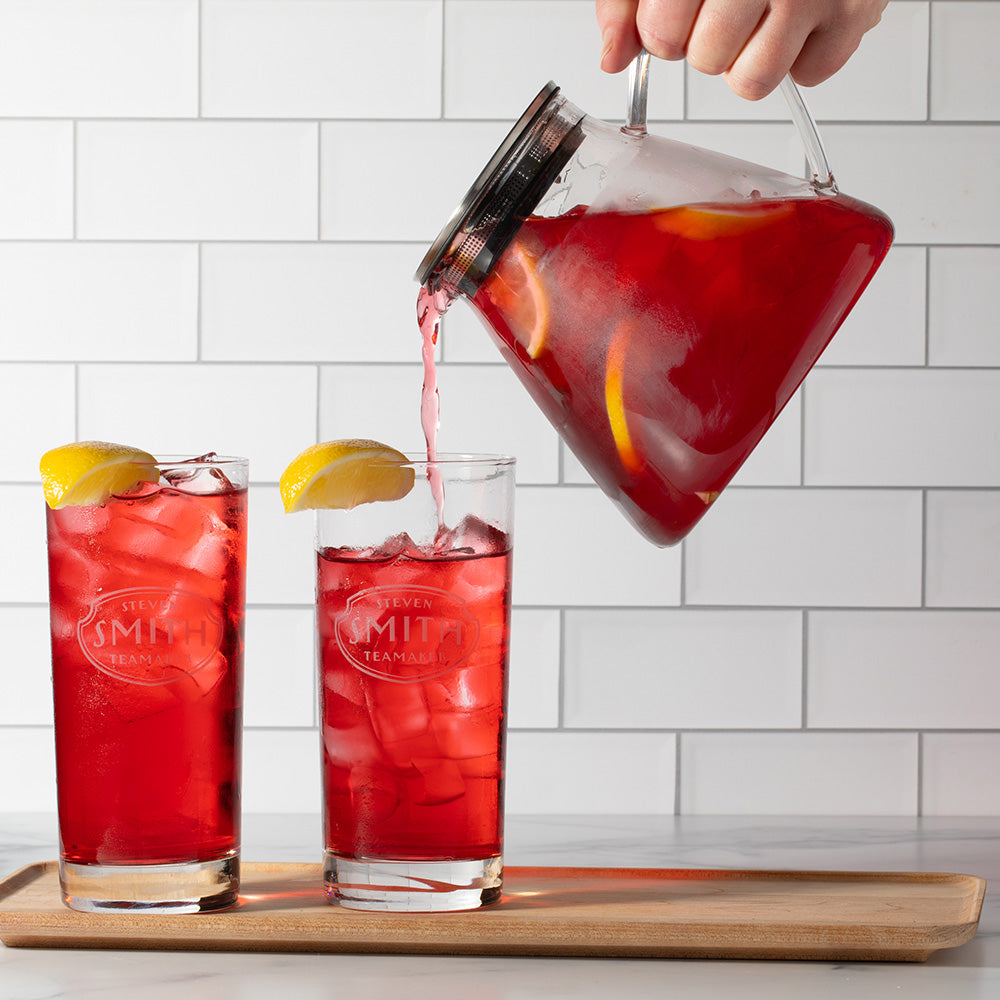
[
  {"x": 804, "y": 671},
  {"x": 201, "y": 58},
  {"x": 319, "y": 182},
  {"x": 647, "y": 731},
  {"x": 319, "y": 395},
  {"x": 74, "y": 226},
  {"x": 924, "y": 493},
  {"x": 76, "y": 402},
  {"x": 441, "y": 77},
  {"x": 682, "y": 568},
  {"x": 923, "y": 550},
  {"x": 199, "y": 301},
  {"x": 561, "y": 676},
  {"x": 803, "y": 402},
  {"x": 920, "y": 773},
  {"x": 658, "y": 609},
  {"x": 677, "y": 774},
  {"x": 928, "y": 91},
  {"x": 378, "y": 242},
  {"x": 497, "y": 121},
  {"x": 76, "y": 182},
  {"x": 927, "y": 308}
]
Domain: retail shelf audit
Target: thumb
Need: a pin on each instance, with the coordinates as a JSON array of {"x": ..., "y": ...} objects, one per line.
[{"x": 620, "y": 37}]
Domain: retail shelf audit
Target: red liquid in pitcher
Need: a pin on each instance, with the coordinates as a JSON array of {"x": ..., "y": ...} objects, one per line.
[
  {"x": 662, "y": 345},
  {"x": 412, "y": 650},
  {"x": 146, "y": 600}
]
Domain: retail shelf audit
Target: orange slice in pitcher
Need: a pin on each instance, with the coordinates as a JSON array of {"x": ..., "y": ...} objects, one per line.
[
  {"x": 614, "y": 396},
  {"x": 90, "y": 472},
  {"x": 344, "y": 474},
  {"x": 518, "y": 293},
  {"x": 710, "y": 222}
]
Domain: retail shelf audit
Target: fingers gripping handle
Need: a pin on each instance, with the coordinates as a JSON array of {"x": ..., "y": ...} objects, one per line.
[{"x": 635, "y": 119}]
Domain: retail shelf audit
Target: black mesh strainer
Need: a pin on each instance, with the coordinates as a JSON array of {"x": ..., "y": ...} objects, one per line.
[{"x": 504, "y": 194}]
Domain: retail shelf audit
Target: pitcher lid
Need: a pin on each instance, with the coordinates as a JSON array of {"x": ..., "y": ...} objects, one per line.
[{"x": 505, "y": 192}]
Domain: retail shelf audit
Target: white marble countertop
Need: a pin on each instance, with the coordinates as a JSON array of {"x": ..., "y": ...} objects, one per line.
[{"x": 970, "y": 846}]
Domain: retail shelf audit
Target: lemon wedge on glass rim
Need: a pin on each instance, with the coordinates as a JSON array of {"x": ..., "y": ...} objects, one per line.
[
  {"x": 90, "y": 472},
  {"x": 344, "y": 474}
]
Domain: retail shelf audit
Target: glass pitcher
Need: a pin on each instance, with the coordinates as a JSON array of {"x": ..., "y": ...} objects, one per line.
[{"x": 661, "y": 303}]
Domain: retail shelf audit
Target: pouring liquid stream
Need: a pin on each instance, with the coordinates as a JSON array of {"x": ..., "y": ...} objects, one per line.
[{"x": 431, "y": 307}]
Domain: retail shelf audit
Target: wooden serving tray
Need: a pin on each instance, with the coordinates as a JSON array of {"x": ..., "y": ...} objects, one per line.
[{"x": 601, "y": 912}]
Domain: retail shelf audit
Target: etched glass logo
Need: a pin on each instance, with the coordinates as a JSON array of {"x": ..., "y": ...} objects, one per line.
[
  {"x": 150, "y": 635},
  {"x": 405, "y": 634}
]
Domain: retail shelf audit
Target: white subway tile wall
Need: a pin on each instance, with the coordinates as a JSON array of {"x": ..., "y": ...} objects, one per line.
[
  {"x": 36, "y": 179},
  {"x": 76, "y": 301},
  {"x": 805, "y": 772},
  {"x": 210, "y": 215}
]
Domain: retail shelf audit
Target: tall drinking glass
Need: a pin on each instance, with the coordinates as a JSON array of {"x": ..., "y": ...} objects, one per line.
[
  {"x": 146, "y": 604},
  {"x": 413, "y": 613}
]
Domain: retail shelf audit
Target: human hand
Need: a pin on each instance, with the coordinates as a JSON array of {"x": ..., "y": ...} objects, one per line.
[{"x": 753, "y": 43}]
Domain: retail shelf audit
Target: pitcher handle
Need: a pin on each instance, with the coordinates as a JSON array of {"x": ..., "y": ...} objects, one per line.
[
  {"x": 638, "y": 84},
  {"x": 822, "y": 176},
  {"x": 635, "y": 119}
]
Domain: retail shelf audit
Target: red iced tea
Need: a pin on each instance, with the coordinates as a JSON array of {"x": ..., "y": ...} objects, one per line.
[
  {"x": 413, "y": 647},
  {"x": 663, "y": 344},
  {"x": 146, "y": 598}
]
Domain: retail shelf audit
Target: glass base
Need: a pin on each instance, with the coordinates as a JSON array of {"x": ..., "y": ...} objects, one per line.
[
  {"x": 375, "y": 884},
  {"x": 181, "y": 888}
]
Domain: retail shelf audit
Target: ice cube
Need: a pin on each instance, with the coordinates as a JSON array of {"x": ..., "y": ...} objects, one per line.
[
  {"x": 70, "y": 525},
  {"x": 395, "y": 545},
  {"x": 208, "y": 554},
  {"x": 342, "y": 712},
  {"x": 207, "y": 677},
  {"x": 169, "y": 520},
  {"x": 471, "y": 536},
  {"x": 440, "y": 781},
  {"x": 402, "y": 720},
  {"x": 347, "y": 684},
  {"x": 485, "y": 767},
  {"x": 375, "y": 792},
  {"x": 478, "y": 685},
  {"x": 399, "y": 712},
  {"x": 134, "y": 702},
  {"x": 202, "y": 476},
  {"x": 141, "y": 491},
  {"x": 63, "y": 624},
  {"x": 74, "y": 577},
  {"x": 465, "y": 735},
  {"x": 348, "y": 745}
]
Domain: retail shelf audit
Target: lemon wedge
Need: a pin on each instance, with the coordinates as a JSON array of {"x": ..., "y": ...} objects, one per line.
[
  {"x": 519, "y": 295},
  {"x": 344, "y": 474},
  {"x": 708, "y": 222},
  {"x": 614, "y": 396},
  {"x": 89, "y": 472}
]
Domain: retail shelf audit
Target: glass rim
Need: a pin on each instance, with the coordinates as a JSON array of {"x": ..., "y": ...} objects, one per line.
[
  {"x": 199, "y": 462},
  {"x": 451, "y": 460}
]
